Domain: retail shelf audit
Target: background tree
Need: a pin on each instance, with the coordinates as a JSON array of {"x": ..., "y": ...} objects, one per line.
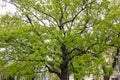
[{"x": 63, "y": 36}]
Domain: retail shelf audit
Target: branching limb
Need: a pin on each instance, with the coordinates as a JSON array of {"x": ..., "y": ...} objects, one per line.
[
  {"x": 29, "y": 19},
  {"x": 52, "y": 71},
  {"x": 75, "y": 49},
  {"x": 81, "y": 52},
  {"x": 73, "y": 19},
  {"x": 45, "y": 14}
]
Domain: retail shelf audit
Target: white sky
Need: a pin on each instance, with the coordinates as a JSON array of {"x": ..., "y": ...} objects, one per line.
[
  {"x": 6, "y": 9},
  {"x": 11, "y": 8}
]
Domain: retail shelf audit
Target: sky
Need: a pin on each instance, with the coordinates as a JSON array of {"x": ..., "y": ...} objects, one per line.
[
  {"x": 6, "y": 9},
  {"x": 11, "y": 8}
]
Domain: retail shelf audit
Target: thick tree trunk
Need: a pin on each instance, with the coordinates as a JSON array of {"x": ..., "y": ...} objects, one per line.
[
  {"x": 106, "y": 78},
  {"x": 64, "y": 64},
  {"x": 64, "y": 75}
]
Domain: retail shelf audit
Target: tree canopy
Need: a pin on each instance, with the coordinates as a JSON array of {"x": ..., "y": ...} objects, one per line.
[{"x": 62, "y": 36}]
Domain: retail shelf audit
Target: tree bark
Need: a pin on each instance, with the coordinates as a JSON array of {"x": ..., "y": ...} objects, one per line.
[
  {"x": 106, "y": 78},
  {"x": 10, "y": 78},
  {"x": 64, "y": 64},
  {"x": 64, "y": 74}
]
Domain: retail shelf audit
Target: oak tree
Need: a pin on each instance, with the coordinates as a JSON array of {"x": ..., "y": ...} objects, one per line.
[{"x": 63, "y": 36}]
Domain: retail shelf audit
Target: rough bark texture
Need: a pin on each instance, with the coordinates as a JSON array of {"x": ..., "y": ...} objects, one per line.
[
  {"x": 64, "y": 75},
  {"x": 64, "y": 64}
]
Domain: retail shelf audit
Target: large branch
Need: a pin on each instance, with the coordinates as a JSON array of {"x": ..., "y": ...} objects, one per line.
[
  {"x": 52, "y": 71},
  {"x": 81, "y": 52},
  {"x": 75, "y": 49}
]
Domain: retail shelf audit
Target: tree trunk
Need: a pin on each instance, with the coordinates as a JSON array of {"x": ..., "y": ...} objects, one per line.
[
  {"x": 33, "y": 78},
  {"x": 10, "y": 78},
  {"x": 64, "y": 75},
  {"x": 106, "y": 78},
  {"x": 64, "y": 64}
]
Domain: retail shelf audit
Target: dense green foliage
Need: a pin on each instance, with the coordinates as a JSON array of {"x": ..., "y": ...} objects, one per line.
[{"x": 76, "y": 36}]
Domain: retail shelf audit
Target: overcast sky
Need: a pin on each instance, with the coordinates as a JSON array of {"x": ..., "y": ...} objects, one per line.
[{"x": 6, "y": 9}]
